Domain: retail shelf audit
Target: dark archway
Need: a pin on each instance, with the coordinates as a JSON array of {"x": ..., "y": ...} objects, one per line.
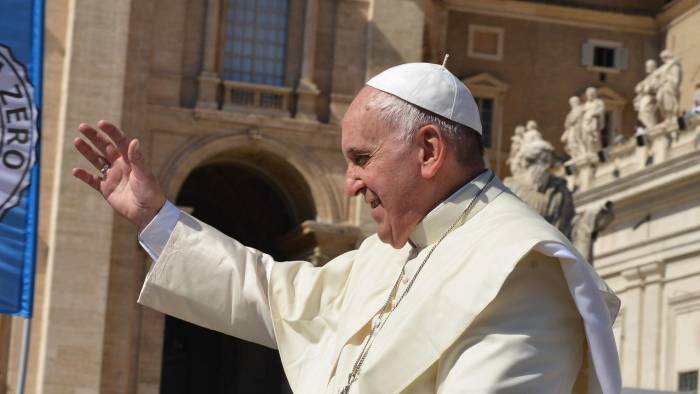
[{"x": 246, "y": 204}]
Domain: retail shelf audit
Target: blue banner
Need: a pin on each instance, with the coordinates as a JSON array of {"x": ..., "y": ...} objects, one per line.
[{"x": 21, "y": 63}]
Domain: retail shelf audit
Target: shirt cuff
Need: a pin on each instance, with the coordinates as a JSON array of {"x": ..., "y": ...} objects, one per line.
[{"x": 157, "y": 232}]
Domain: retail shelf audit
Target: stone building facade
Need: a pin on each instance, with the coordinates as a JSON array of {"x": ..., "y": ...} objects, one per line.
[{"x": 254, "y": 148}]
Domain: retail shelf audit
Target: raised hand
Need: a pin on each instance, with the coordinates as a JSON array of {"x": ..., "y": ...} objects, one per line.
[{"x": 123, "y": 178}]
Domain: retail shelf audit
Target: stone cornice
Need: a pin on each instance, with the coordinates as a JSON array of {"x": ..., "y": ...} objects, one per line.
[
  {"x": 675, "y": 12},
  {"x": 178, "y": 119},
  {"x": 685, "y": 168},
  {"x": 558, "y": 14}
]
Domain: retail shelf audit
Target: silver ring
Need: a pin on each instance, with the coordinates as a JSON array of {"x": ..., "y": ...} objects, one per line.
[{"x": 103, "y": 170}]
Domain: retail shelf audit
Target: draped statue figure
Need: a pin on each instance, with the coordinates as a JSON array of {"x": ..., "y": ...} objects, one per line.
[
  {"x": 668, "y": 93},
  {"x": 572, "y": 139},
  {"x": 592, "y": 122},
  {"x": 548, "y": 194},
  {"x": 645, "y": 101},
  {"x": 515, "y": 143},
  {"x": 533, "y": 183}
]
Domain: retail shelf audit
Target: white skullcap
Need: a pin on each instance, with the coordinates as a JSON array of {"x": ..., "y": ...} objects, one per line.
[{"x": 431, "y": 87}]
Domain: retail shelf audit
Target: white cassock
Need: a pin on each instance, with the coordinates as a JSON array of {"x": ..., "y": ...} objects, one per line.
[{"x": 504, "y": 304}]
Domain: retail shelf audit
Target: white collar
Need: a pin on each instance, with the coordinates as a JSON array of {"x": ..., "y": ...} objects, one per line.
[{"x": 439, "y": 220}]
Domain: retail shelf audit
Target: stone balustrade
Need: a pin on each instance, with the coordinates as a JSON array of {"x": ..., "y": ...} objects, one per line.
[
  {"x": 629, "y": 156},
  {"x": 266, "y": 99}
]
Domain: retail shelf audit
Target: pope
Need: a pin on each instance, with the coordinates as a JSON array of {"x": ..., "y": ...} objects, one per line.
[{"x": 463, "y": 289}]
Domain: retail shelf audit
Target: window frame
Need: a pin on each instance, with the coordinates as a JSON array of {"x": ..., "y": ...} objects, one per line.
[
  {"x": 221, "y": 47},
  {"x": 485, "y": 85},
  {"x": 681, "y": 374},
  {"x": 620, "y": 55},
  {"x": 471, "y": 52}
]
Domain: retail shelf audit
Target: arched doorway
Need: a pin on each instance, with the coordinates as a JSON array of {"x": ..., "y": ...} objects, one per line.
[{"x": 247, "y": 203}]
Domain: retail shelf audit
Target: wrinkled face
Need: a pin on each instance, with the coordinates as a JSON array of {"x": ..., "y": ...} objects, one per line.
[{"x": 382, "y": 168}]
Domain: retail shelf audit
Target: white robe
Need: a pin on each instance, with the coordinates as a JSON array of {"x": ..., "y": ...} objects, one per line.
[{"x": 480, "y": 318}]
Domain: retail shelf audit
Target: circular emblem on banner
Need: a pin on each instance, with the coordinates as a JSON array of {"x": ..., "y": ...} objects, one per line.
[{"x": 18, "y": 129}]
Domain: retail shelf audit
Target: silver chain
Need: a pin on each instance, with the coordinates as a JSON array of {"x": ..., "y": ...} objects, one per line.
[{"x": 386, "y": 310}]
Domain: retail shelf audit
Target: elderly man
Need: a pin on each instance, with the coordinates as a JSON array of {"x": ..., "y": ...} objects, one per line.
[{"x": 462, "y": 290}]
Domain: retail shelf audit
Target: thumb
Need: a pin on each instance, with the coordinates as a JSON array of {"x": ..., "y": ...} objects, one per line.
[{"x": 138, "y": 165}]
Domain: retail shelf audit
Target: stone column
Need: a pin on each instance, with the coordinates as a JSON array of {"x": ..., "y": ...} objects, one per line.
[
  {"x": 652, "y": 299},
  {"x": 209, "y": 79},
  {"x": 307, "y": 89},
  {"x": 632, "y": 299},
  {"x": 72, "y": 337}
]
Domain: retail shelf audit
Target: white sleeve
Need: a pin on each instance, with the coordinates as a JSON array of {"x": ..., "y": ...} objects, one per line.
[
  {"x": 157, "y": 232},
  {"x": 209, "y": 279}
]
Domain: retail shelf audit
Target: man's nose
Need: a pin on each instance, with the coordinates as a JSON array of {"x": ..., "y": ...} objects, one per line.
[{"x": 353, "y": 184}]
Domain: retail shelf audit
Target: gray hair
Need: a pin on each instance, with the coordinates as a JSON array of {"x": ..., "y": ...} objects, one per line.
[{"x": 408, "y": 119}]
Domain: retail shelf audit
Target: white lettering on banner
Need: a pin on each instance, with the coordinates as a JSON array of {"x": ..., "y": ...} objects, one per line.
[{"x": 18, "y": 130}]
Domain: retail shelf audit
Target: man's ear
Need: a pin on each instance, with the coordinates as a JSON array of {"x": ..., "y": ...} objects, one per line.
[{"x": 432, "y": 150}]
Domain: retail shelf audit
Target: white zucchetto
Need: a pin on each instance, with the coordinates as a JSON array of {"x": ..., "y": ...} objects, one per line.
[{"x": 431, "y": 87}]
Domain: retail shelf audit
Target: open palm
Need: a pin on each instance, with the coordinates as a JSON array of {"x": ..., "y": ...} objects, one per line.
[{"x": 123, "y": 179}]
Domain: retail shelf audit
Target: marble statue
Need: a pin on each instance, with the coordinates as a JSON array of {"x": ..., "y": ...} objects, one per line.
[
  {"x": 532, "y": 181},
  {"x": 592, "y": 122},
  {"x": 587, "y": 225},
  {"x": 534, "y": 184},
  {"x": 645, "y": 100},
  {"x": 515, "y": 143},
  {"x": 531, "y": 132},
  {"x": 668, "y": 93},
  {"x": 573, "y": 144}
]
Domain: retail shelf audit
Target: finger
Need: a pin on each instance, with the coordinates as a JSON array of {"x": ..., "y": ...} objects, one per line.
[
  {"x": 92, "y": 180},
  {"x": 102, "y": 143},
  {"x": 138, "y": 164},
  {"x": 89, "y": 153},
  {"x": 116, "y": 135}
]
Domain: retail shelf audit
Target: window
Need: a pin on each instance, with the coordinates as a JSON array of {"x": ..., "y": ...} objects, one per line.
[
  {"x": 604, "y": 57},
  {"x": 486, "y": 114},
  {"x": 255, "y": 43},
  {"x": 599, "y": 55},
  {"x": 688, "y": 382},
  {"x": 485, "y": 42}
]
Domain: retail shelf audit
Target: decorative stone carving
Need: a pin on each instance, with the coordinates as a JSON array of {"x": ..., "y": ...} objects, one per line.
[
  {"x": 572, "y": 138},
  {"x": 522, "y": 136},
  {"x": 592, "y": 122},
  {"x": 658, "y": 93},
  {"x": 645, "y": 100},
  {"x": 515, "y": 143},
  {"x": 586, "y": 226},
  {"x": 533, "y": 183},
  {"x": 530, "y": 162},
  {"x": 668, "y": 93}
]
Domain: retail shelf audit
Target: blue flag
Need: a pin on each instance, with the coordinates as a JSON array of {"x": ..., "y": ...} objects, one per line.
[{"x": 21, "y": 62}]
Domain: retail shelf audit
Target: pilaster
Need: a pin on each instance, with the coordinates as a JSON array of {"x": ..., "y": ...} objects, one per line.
[
  {"x": 75, "y": 293},
  {"x": 642, "y": 347},
  {"x": 631, "y": 349},
  {"x": 307, "y": 90},
  {"x": 209, "y": 79},
  {"x": 653, "y": 274}
]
